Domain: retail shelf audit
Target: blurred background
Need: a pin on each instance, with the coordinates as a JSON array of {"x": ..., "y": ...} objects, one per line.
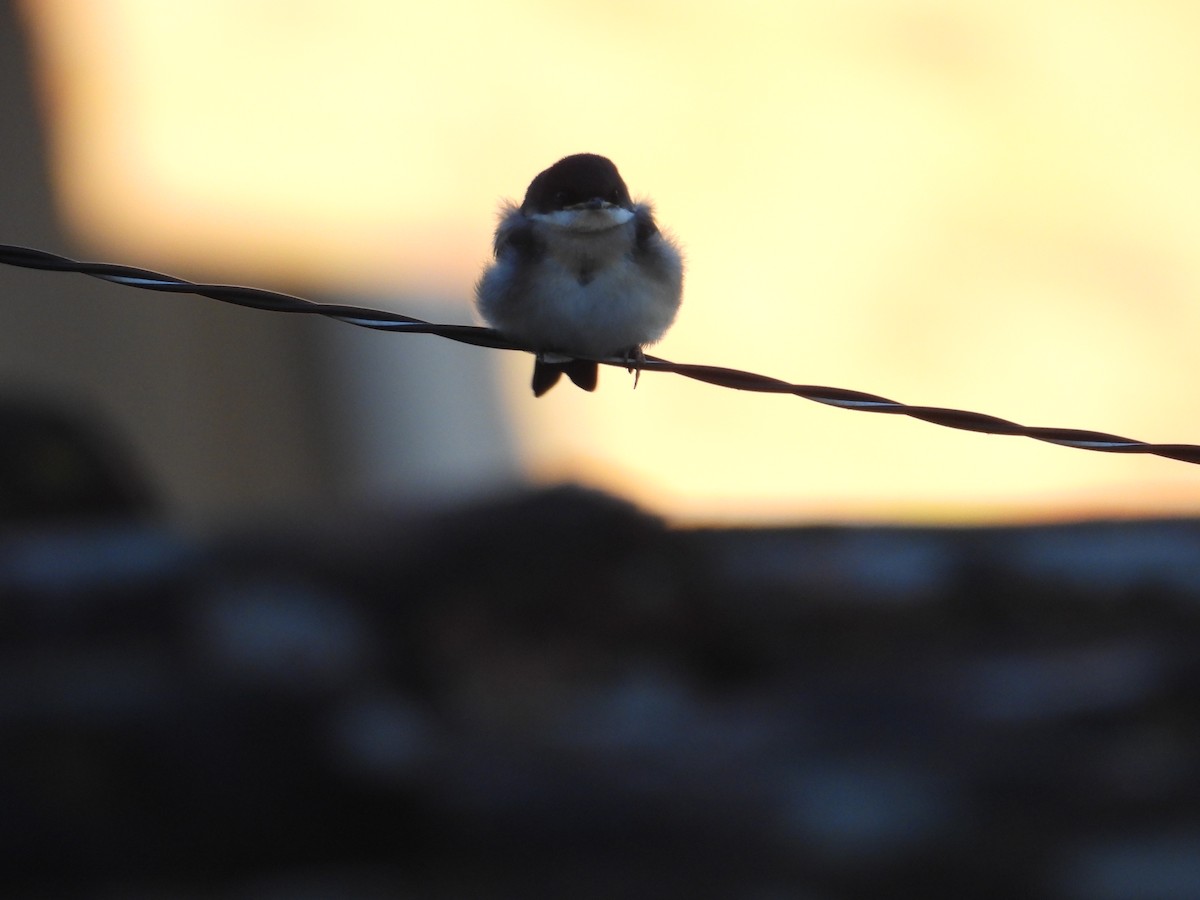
[
  {"x": 947, "y": 202},
  {"x": 290, "y": 609}
]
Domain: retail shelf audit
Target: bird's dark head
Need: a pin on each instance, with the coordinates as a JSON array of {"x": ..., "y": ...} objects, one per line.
[{"x": 579, "y": 182}]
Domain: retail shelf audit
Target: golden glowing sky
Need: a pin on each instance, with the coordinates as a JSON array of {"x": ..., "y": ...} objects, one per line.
[{"x": 994, "y": 206}]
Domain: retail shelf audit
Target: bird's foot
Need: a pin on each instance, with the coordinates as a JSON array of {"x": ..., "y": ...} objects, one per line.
[{"x": 634, "y": 360}]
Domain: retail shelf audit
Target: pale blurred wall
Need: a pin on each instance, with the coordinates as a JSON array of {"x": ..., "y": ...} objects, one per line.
[
  {"x": 172, "y": 375},
  {"x": 948, "y": 202},
  {"x": 233, "y": 412}
]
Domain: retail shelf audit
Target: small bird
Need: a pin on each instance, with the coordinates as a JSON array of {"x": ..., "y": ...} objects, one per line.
[{"x": 581, "y": 272}]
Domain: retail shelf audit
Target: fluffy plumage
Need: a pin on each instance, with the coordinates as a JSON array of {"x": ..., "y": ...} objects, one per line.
[{"x": 580, "y": 270}]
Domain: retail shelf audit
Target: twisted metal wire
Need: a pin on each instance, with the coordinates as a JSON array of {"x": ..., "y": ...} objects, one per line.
[{"x": 382, "y": 320}]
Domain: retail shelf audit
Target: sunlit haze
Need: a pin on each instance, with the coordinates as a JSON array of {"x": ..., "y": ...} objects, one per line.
[{"x": 989, "y": 206}]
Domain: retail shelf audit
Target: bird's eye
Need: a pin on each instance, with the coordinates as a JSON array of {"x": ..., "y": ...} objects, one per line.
[{"x": 561, "y": 198}]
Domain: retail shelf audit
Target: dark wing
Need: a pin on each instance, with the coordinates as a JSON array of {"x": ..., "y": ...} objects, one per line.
[
  {"x": 515, "y": 235},
  {"x": 645, "y": 229}
]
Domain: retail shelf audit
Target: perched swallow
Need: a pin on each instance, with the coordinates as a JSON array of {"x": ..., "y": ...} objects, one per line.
[{"x": 581, "y": 272}]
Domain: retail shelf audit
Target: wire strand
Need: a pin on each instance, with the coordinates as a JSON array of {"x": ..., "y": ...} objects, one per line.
[{"x": 381, "y": 320}]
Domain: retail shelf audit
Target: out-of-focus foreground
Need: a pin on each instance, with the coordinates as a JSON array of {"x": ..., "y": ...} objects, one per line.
[{"x": 552, "y": 694}]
